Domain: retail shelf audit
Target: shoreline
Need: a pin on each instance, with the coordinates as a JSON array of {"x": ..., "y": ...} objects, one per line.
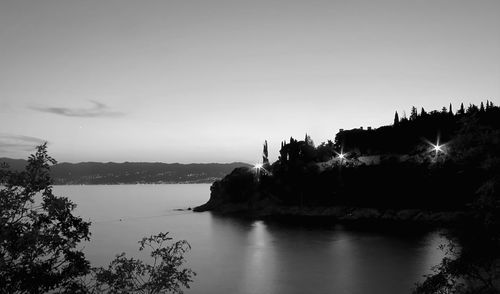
[{"x": 341, "y": 214}]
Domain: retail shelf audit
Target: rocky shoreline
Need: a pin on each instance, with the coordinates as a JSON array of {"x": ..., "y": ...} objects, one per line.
[{"x": 265, "y": 209}]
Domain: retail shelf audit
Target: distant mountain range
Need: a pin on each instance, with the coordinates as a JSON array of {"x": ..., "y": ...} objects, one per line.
[{"x": 95, "y": 173}]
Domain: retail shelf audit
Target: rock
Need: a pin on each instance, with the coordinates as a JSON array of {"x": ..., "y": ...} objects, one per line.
[
  {"x": 406, "y": 214},
  {"x": 361, "y": 214}
]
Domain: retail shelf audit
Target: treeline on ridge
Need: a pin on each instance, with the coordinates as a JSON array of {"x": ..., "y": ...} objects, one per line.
[{"x": 431, "y": 160}]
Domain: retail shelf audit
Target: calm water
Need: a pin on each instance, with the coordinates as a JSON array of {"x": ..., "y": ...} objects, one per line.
[{"x": 241, "y": 256}]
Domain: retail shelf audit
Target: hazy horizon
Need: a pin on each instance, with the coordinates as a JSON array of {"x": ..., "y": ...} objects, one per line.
[
  {"x": 127, "y": 161},
  {"x": 209, "y": 81}
]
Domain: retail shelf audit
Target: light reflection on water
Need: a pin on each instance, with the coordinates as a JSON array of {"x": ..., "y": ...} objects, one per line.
[{"x": 234, "y": 255}]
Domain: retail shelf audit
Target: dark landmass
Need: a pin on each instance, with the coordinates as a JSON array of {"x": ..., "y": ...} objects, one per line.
[
  {"x": 267, "y": 209},
  {"x": 433, "y": 167},
  {"x": 96, "y": 173}
]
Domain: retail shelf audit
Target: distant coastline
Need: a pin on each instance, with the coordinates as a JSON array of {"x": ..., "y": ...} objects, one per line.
[
  {"x": 131, "y": 173},
  {"x": 132, "y": 184}
]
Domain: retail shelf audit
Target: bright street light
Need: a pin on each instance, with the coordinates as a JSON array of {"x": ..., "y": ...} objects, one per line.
[
  {"x": 437, "y": 148},
  {"x": 258, "y": 166},
  {"x": 341, "y": 155}
]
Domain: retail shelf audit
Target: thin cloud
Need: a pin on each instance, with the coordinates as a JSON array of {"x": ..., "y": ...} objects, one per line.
[
  {"x": 97, "y": 110},
  {"x": 9, "y": 142}
]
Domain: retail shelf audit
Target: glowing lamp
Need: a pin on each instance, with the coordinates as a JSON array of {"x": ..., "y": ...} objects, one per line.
[
  {"x": 341, "y": 155},
  {"x": 437, "y": 148},
  {"x": 257, "y": 166}
]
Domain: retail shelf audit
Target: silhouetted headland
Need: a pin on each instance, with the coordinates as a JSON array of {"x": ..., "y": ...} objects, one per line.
[{"x": 426, "y": 168}]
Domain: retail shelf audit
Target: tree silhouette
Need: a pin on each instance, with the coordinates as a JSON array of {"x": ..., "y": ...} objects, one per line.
[
  {"x": 38, "y": 241},
  {"x": 162, "y": 275},
  {"x": 308, "y": 140},
  {"x": 404, "y": 119},
  {"x": 283, "y": 153},
  {"x": 461, "y": 111},
  {"x": 265, "y": 155},
  {"x": 39, "y": 237},
  {"x": 396, "y": 119},
  {"x": 472, "y": 109},
  {"x": 413, "y": 114}
]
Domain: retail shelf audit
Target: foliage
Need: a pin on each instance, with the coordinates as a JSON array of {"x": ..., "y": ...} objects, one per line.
[
  {"x": 265, "y": 155},
  {"x": 472, "y": 256},
  {"x": 38, "y": 239},
  {"x": 396, "y": 119},
  {"x": 129, "y": 275},
  {"x": 464, "y": 175},
  {"x": 239, "y": 185},
  {"x": 472, "y": 262},
  {"x": 447, "y": 180}
]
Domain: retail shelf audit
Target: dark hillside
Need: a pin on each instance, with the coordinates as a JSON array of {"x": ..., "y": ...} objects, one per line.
[{"x": 433, "y": 161}]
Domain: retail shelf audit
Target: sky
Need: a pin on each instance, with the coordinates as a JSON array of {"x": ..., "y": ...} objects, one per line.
[{"x": 210, "y": 80}]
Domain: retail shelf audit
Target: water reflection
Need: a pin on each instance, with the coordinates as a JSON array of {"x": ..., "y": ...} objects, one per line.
[
  {"x": 283, "y": 257},
  {"x": 234, "y": 255},
  {"x": 258, "y": 264}
]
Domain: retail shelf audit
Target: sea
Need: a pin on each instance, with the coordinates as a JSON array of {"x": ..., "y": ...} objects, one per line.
[{"x": 245, "y": 256}]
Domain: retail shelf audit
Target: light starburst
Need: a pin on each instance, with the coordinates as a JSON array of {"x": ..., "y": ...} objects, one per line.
[
  {"x": 437, "y": 148},
  {"x": 341, "y": 155}
]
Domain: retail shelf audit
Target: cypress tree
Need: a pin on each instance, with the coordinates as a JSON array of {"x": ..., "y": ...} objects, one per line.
[
  {"x": 396, "y": 119},
  {"x": 308, "y": 140},
  {"x": 283, "y": 152},
  {"x": 461, "y": 110},
  {"x": 265, "y": 155}
]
